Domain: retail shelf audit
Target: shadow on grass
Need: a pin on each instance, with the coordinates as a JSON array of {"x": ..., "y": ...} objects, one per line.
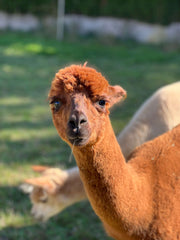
[
  {"x": 11, "y": 197},
  {"x": 40, "y": 232},
  {"x": 22, "y": 233},
  {"x": 50, "y": 151},
  {"x": 71, "y": 224}
]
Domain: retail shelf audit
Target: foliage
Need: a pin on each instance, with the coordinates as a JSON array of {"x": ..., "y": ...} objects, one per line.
[
  {"x": 39, "y": 7},
  {"x": 154, "y": 11},
  {"x": 27, "y": 65}
]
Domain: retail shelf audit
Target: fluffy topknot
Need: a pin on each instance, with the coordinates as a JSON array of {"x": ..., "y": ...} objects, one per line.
[{"x": 76, "y": 78}]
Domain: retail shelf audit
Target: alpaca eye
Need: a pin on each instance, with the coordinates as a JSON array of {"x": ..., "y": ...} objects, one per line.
[
  {"x": 44, "y": 200},
  {"x": 57, "y": 105},
  {"x": 44, "y": 196},
  {"x": 102, "y": 103}
]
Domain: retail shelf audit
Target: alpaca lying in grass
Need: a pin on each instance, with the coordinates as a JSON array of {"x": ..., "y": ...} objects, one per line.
[{"x": 157, "y": 115}]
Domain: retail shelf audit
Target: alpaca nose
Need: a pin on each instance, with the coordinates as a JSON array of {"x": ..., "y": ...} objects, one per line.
[{"x": 76, "y": 121}]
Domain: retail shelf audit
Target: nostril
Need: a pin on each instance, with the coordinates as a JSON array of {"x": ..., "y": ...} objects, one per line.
[
  {"x": 83, "y": 121},
  {"x": 77, "y": 120},
  {"x": 72, "y": 123}
]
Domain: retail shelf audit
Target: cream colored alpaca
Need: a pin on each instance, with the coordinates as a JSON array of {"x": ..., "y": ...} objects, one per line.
[
  {"x": 157, "y": 115},
  {"x": 54, "y": 190}
]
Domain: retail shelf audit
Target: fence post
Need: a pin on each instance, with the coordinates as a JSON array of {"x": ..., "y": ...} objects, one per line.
[{"x": 60, "y": 19}]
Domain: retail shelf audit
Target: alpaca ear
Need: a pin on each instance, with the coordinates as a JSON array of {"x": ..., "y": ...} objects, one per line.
[
  {"x": 44, "y": 183},
  {"x": 39, "y": 168},
  {"x": 116, "y": 94}
]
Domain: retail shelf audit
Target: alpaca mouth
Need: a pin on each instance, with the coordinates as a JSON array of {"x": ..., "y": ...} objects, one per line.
[
  {"x": 78, "y": 137},
  {"x": 78, "y": 141}
]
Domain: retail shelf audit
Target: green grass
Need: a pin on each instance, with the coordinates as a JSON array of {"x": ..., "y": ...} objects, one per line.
[{"x": 27, "y": 135}]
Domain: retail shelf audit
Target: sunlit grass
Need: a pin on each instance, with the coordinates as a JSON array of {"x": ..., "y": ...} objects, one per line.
[
  {"x": 12, "y": 51},
  {"x": 14, "y": 174},
  {"x": 16, "y": 219},
  {"x": 13, "y": 101},
  {"x": 27, "y": 135},
  {"x": 19, "y": 49}
]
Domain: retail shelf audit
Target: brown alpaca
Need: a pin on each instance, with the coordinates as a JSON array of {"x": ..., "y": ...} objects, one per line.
[
  {"x": 135, "y": 200},
  {"x": 158, "y": 114}
]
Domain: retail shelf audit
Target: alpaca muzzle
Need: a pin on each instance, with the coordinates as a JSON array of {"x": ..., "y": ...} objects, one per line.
[{"x": 78, "y": 129}]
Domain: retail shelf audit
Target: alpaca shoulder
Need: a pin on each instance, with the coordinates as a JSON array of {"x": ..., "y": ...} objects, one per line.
[{"x": 157, "y": 152}]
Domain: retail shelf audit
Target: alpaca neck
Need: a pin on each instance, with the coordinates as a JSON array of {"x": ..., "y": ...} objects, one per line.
[
  {"x": 118, "y": 194},
  {"x": 103, "y": 170}
]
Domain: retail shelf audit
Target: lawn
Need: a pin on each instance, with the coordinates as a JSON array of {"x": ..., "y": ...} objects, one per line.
[{"x": 27, "y": 135}]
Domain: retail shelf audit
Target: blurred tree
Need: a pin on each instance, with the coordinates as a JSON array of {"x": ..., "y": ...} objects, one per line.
[{"x": 154, "y": 11}]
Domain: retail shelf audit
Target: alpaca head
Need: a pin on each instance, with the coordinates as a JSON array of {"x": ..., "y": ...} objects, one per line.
[
  {"x": 48, "y": 195},
  {"x": 80, "y": 98}
]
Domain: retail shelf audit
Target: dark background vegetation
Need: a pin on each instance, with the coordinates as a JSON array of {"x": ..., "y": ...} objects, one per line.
[{"x": 153, "y": 11}]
